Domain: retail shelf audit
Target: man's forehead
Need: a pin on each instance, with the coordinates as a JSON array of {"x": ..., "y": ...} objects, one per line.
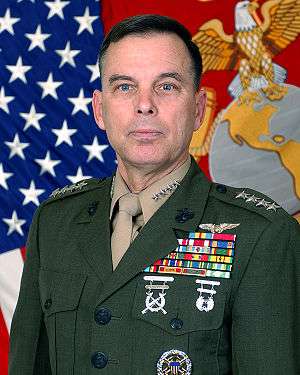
[{"x": 147, "y": 50}]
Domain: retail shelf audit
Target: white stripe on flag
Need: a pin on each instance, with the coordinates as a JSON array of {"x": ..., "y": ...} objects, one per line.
[{"x": 11, "y": 267}]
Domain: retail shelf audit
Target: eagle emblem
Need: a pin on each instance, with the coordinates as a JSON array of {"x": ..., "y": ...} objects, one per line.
[
  {"x": 218, "y": 228},
  {"x": 251, "y": 47}
]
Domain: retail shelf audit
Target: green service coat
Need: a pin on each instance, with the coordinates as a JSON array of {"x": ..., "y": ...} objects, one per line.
[{"x": 254, "y": 327}]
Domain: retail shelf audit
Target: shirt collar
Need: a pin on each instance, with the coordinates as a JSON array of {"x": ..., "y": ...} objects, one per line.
[{"x": 149, "y": 205}]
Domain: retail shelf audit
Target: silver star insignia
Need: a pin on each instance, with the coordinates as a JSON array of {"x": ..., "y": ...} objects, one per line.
[
  {"x": 68, "y": 188},
  {"x": 273, "y": 206},
  {"x": 243, "y": 195},
  {"x": 253, "y": 198},
  {"x": 263, "y": 202},
  {"x": 218, "y": 228},
  {"x": 80, "y": 185}
]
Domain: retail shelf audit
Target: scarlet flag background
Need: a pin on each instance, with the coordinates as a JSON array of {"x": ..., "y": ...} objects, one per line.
[{"x": 48, "y": 138}]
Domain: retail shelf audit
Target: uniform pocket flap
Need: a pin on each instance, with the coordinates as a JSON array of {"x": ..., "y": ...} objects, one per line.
[
  {"x": 180, "y": 308},
  {"x": 60, "y": 291}
]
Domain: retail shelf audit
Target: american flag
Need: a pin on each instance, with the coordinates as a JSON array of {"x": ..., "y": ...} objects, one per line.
[{"x": 48, "y": 137}]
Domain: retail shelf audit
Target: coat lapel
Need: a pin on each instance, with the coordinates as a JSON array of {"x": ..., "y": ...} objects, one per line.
[
  {"x": 93, "y": 230},
  {"x": 158, "y": 236}
]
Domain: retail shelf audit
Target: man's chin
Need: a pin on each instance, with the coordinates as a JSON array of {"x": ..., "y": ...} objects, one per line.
[{"x": 145, "y": 159}]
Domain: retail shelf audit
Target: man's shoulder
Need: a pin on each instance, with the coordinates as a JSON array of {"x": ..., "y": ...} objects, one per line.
[
  {"x": 250, "y": 201},
  {"x": 75, "y": 189}
]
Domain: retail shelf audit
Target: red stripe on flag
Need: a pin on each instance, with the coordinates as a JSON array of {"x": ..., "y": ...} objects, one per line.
[
  {"x": 23, "y": 253},
  {"x": 4, "y": 340}
]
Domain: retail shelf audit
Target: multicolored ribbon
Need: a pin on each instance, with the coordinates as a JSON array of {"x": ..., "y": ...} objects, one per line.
[{"x": 201, "y": 254}]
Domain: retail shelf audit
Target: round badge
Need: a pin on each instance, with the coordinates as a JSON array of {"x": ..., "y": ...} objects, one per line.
[
  {"x": 205, "y": 304},
  {"x": 174, "y": 362}
]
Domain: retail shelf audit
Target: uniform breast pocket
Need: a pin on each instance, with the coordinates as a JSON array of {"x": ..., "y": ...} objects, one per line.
[
  {"x": 60, "y": 296},
  {"x": 182, "y": 313}
]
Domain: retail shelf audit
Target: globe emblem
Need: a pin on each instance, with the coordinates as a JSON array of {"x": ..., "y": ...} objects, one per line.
[{"x": 257, "y": 145}]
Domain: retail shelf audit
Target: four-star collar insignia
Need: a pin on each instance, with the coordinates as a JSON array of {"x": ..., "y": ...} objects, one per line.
[
  {"x": 167, "y": 190},
  {"x": 68, "y": 188},
  {"x": 257, "y": 201}
]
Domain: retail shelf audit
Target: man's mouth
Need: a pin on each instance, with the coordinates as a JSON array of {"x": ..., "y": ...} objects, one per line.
[{"x": 145, "y": 134}]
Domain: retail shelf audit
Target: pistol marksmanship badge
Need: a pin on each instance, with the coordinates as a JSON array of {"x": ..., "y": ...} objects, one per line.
[
  {"x": 174, "y": 362},
  {"x": 155, "y": 295},
  {"x": 205, "y": 301}
]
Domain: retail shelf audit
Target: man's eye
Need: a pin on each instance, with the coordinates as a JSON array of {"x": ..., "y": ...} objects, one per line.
[
  {"x": 124, "y": 87},
  {"x": 168, "y": 87}
]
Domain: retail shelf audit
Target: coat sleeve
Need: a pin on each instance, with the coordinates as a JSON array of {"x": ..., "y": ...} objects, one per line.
[
  {"x": 28, "y": 338},
  {"x": 266, "y": 309}
]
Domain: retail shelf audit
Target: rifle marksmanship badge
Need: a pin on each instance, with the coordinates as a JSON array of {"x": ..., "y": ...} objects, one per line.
[
  {"x": 174, "y": 362},
  {"x": 205, "y": 301},
  {"x": 201, "y": 255},
  {"x": 156, "y": 292}
]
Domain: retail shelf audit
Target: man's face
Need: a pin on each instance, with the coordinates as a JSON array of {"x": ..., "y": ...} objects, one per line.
[{"x": 148, "y": 105}]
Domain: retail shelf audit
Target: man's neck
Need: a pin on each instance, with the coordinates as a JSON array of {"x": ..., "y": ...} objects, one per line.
[{"x": 138, "y": 179}]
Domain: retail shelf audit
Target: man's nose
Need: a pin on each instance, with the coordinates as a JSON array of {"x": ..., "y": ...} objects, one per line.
[{"x": 145, "y": 103}]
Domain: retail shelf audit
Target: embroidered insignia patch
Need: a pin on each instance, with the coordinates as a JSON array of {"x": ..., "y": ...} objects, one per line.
[
  {"x": 202, "y": 254},
  {"x": 174, "y": 362}
]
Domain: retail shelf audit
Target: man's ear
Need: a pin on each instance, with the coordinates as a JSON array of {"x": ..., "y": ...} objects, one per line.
[
  {"x": 200, "y": 108},
  {"x": 97, "y": 108}
]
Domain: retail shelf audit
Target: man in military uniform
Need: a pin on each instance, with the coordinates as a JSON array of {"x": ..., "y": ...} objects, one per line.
[{"x": 157, "y": 270}]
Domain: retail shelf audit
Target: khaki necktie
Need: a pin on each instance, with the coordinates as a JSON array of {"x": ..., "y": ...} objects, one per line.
[{"x": 129, "y": 207}]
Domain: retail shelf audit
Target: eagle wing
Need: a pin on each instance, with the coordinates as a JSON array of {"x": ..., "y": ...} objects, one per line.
[
  {"x": 281, "y": 23},
  {"x": 219, "y": 50}
]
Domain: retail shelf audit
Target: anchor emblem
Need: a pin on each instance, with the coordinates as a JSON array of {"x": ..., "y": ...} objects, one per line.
[{"x": 154, "y": 302}]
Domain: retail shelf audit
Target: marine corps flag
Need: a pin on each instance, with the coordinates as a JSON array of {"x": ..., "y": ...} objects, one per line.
[
  {"x": 250, "y": 135},
  {"x": 48, "y": 50}
]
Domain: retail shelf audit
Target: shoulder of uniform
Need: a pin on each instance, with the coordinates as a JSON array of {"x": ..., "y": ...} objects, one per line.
[
  {"x": 250, "y": 200},
  {"x": 73, "y": 189}
]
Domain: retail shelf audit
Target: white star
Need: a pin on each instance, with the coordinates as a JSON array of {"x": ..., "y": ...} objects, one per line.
[
  {"x": 85, "y": 21},
  {"x": 31, "y": 194},
  {"x": 7, "y": 22},
  {"x": 95, "y": 72},
  {"x": 32, "y": 118},
  {"x": 4, "y": 100},
  {"x": 56, "y": 8},
  {"x": 49, "y": 87},
  {"x": 37, "y": 39},
  {"x": 273, "y": 206},
  {"x": 67, "y": 55},
  {"x": 16, "y": 147},
  {"x": 64, "y": 134},
  {"x": 79, "y": 176},
  {"x": 47, "y": 164},
  {"x": 14, "y": 224},
  {"x": 80, "y": 103},
  {"x": 95, "y": 150},
  {"x": 18, "y": 71},
  {"x": 243, "y": 195},
  {"x": 4, "y": 176}
]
